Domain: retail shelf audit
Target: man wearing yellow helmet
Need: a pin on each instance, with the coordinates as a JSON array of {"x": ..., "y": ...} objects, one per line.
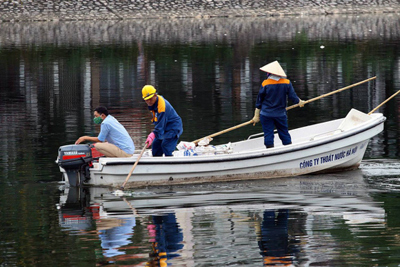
[{"x": 168, "y": 124}]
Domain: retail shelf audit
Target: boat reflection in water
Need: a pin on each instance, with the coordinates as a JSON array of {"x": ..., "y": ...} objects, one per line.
[{"x": 278, "y": 221}]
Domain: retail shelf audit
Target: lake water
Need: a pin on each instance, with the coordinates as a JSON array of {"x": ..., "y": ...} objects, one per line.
[{"x": 53, "y": 74}]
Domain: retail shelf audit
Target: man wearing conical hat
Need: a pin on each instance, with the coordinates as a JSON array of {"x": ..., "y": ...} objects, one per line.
[
  {"x": 168, "y": 124},
  {"x": 271, "y": 104}
]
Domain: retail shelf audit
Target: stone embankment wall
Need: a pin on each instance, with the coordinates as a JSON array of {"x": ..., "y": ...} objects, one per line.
[
  {"x": 248, "y": 30},
  {"x": 50, "y": 10}
]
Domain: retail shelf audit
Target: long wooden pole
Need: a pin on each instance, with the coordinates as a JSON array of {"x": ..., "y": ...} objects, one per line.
[
  {"x": 225, "y": 131},
  {"x": 384, "y": 102},
  {"x": 331, "y": 93},
  {"x": 288, "y": 108},
  {"x": 130, "y": 206},
  {"x": 133, "y": 167}
]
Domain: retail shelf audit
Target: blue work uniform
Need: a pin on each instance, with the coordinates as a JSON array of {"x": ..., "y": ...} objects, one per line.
[
  {"x": 274, "y": 242},
  {"x": 271, "y": 100},
  {"x": 168, "y": 238},
  {"x": 168, "y": 127},
  {"x": 115, "y": 133}
]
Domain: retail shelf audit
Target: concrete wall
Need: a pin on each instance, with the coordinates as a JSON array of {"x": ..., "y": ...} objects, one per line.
[
  {"x": 248, "y": 30},
  {"x": 45, "y": 10}
]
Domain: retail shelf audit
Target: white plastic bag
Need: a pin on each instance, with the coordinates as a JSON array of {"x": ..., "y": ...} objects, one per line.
[
  {"x": 223, "y": 149},
  {"x": 185, "y": 145},
  {"x": 179, "y": 153},
  {"x": 184, "y": 153},
  {"x": 205, "y": 150},
  {"x": 205, "y": 141},
  {"x": 147, "y": 153}
]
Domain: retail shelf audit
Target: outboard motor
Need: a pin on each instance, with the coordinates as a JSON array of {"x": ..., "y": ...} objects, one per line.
[{"x": 76, "y": 161}]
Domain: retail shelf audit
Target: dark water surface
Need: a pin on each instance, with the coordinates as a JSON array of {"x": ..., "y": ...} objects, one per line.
[{"x": 52, "y": 76}]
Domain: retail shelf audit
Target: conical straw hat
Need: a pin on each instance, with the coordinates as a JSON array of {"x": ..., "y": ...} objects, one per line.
[{"x": 274, "y": 68}]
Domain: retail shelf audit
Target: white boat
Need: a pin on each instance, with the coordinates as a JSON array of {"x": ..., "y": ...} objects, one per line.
[{"x": 324, "y": 147}]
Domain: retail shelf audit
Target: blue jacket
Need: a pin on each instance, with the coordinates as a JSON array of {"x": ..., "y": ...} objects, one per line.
[
  {"x": 273, "y": 96},
  {"x": 167, "y": 122}
]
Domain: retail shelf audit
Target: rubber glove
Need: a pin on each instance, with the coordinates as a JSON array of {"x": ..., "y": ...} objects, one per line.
[
  {"x": 150, "y": 139},
  {"x": 256, "y": 117},
  {"x": 301, "y": 103}
]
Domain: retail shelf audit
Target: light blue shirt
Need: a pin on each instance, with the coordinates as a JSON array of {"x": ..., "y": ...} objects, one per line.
[{"x": 115, "y": 133}]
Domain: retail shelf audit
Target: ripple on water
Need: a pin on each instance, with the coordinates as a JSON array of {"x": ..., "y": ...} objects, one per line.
[{"x": 382, "y": 174}]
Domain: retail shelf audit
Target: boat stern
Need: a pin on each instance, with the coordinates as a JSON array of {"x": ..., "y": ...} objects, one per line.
[{"x": 74, "y": 162}]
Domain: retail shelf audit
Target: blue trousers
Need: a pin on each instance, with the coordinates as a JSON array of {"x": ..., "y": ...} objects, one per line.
[
  {"x": 269, "y": 123},
  {"x": 165, "y": 146}
]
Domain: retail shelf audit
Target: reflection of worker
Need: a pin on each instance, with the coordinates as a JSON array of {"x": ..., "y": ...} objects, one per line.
[
  {"x": 273, "y": 238},
  {"x": 168, "y": 238},
  {"x": 168, "y": 124},
  {"x": 113, "y": 139},
  {"x": 114, "y": 234},
  {"x": 271, "y": 104}
]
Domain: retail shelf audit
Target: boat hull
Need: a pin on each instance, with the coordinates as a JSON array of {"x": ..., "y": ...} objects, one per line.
[{"x": 262, "y": 168}]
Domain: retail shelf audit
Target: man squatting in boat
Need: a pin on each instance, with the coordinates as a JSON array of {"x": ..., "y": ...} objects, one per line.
[
  {"x": 168, "y": 124},
  {"x": 113, "y": 139},
  {"x": 271, "y": 104}
]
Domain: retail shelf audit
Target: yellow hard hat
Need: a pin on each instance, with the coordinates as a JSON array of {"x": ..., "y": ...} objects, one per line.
[{"x": 148, "y": 92}]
